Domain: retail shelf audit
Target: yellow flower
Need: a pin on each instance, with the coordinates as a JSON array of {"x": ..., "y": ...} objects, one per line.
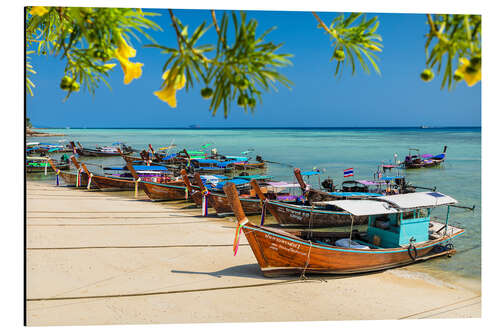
[
  {"x": 132, "y": 70},
  {"x": 167, "y": 93},
  {"x": 38, "y": 10},
  {"x": 471, "y": 75},
  {"x": 124, "y": 50}
]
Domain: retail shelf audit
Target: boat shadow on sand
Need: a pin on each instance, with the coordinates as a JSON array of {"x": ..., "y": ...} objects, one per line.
[{"x": 253, "y": 271}]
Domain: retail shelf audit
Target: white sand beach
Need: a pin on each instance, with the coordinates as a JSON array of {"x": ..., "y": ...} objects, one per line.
[{"x": 101, "y": 258}]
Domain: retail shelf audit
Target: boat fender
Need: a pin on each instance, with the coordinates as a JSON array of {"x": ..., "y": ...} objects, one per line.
[{"x": 413, "y": 249}]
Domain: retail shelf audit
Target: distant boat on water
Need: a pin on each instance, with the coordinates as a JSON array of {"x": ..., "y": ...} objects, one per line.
[{"x": 194, "y": 126}]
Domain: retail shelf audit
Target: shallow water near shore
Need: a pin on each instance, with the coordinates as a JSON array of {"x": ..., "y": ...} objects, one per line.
[{"x": 334, "y": 150}]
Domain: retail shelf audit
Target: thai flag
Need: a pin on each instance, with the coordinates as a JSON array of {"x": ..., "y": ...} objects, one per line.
[{"x": 348, "y": 172}]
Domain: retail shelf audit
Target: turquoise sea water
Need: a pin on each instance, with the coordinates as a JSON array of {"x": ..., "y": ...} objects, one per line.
[{"x": 335, "y": 150}]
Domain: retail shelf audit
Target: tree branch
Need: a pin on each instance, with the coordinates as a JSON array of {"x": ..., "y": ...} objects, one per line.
[
  {"x": 321, "y": 23},
  {"x": 174, "y": 24},
  {"x": 214, "y": 19},
  {"x": 432, "y": 25}
]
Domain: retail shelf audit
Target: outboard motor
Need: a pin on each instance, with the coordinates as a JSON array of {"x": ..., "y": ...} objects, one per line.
[
  {"x": 259, "y": 158},
  {"x": 327, "y": 184}
]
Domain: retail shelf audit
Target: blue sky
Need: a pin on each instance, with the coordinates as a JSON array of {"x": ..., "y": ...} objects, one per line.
[{"x": 317, "y": 99}]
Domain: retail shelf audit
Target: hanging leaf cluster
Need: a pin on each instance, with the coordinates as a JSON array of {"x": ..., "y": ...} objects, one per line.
[
  {"x": 85, "y": 37},
  {"x": 354, "y": 40},
  {"x": 240, "y": 67},
  {"x": 454, "y": 43}
]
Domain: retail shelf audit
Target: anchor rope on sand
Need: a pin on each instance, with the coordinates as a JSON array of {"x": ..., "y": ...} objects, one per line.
[{"x": 303, "y": 275}]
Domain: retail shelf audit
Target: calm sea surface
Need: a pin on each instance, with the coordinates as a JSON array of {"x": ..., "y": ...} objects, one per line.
[{"x": 334, "y": 150}]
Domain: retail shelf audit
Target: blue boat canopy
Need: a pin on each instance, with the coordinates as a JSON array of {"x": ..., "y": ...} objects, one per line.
[
  {"x": 236, "y": 181},
  {"x": 310, "y": 173},
  {"x": 150, "y": 168},
  {"x": 224, "y": 164},
  {"x": 439, "y": 156},
  {"x": 238, "y": 158},
  {"x": 169, "y": 157},
  {"x": 391, "y": 177}
]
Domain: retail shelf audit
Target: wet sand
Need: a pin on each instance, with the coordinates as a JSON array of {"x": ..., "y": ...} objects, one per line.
[{"x": 102, "y": 258}]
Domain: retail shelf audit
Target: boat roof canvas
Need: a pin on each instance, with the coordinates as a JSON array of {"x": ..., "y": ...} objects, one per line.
[
  {"x": 282, "y": 184},
  {"x": 361, "y": 207},
  {"x": 367, "y": 182},
  {"x": 392, "y": 203},
  {"x": 419, "y": 200}
]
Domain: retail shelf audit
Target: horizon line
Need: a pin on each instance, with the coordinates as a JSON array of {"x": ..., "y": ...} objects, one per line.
[{"x": 267, "y": 127}]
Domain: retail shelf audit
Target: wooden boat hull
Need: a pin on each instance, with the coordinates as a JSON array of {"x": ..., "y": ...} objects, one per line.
[
  {"x": 70, "y": 179},
  {"x": 279, "y": 253},
  {"x": 220, "y": 203},
  {"x": 115, "y": 183},
  {"x": 251, "y": 206},
  {"x": 423, "y": 165},
  {"x": 249, "y": 166},
  {"x": 294, "y": 215},
  {"x": 162, "y": 192}
]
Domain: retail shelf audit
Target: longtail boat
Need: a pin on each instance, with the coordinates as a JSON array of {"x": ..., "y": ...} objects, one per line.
[
  {"x": 400, "y": 232},
  {"x": 44, "y": 148},
  {"x": 41, "y": 164},
  {"x": 219, "y": 202},
  {"x": 124, "y": 181},
  {"x": 193, "y": 192},
  {"x": 415, "y": 160},
  {"x": 355, "y": 189},
  {"x": 76, "y": 178},
  {"x": 159, "y": 191},
  {"x": 106, "y": 182},
  {"x": 101, "y": 151},
  {"x": 313, "y": 215},
  {"x": 252, "y": 204}
]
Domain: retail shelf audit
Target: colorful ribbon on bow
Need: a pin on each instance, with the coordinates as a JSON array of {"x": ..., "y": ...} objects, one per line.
[
  {"x": 186, "y": 193},
  {"x": 90, "y": 181},
  {"x": 78, "y": 178},
  {"x": 204, "y": 203},
  {"x": 236, "y": 243}
]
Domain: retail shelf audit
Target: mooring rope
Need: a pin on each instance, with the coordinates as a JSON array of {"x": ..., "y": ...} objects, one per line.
[
  {"x": 303, "y": 275},
  {"x": 440, "y": 307},
  {"x": 129, "y": 247},
  {"x": 157, "y": 292}
]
